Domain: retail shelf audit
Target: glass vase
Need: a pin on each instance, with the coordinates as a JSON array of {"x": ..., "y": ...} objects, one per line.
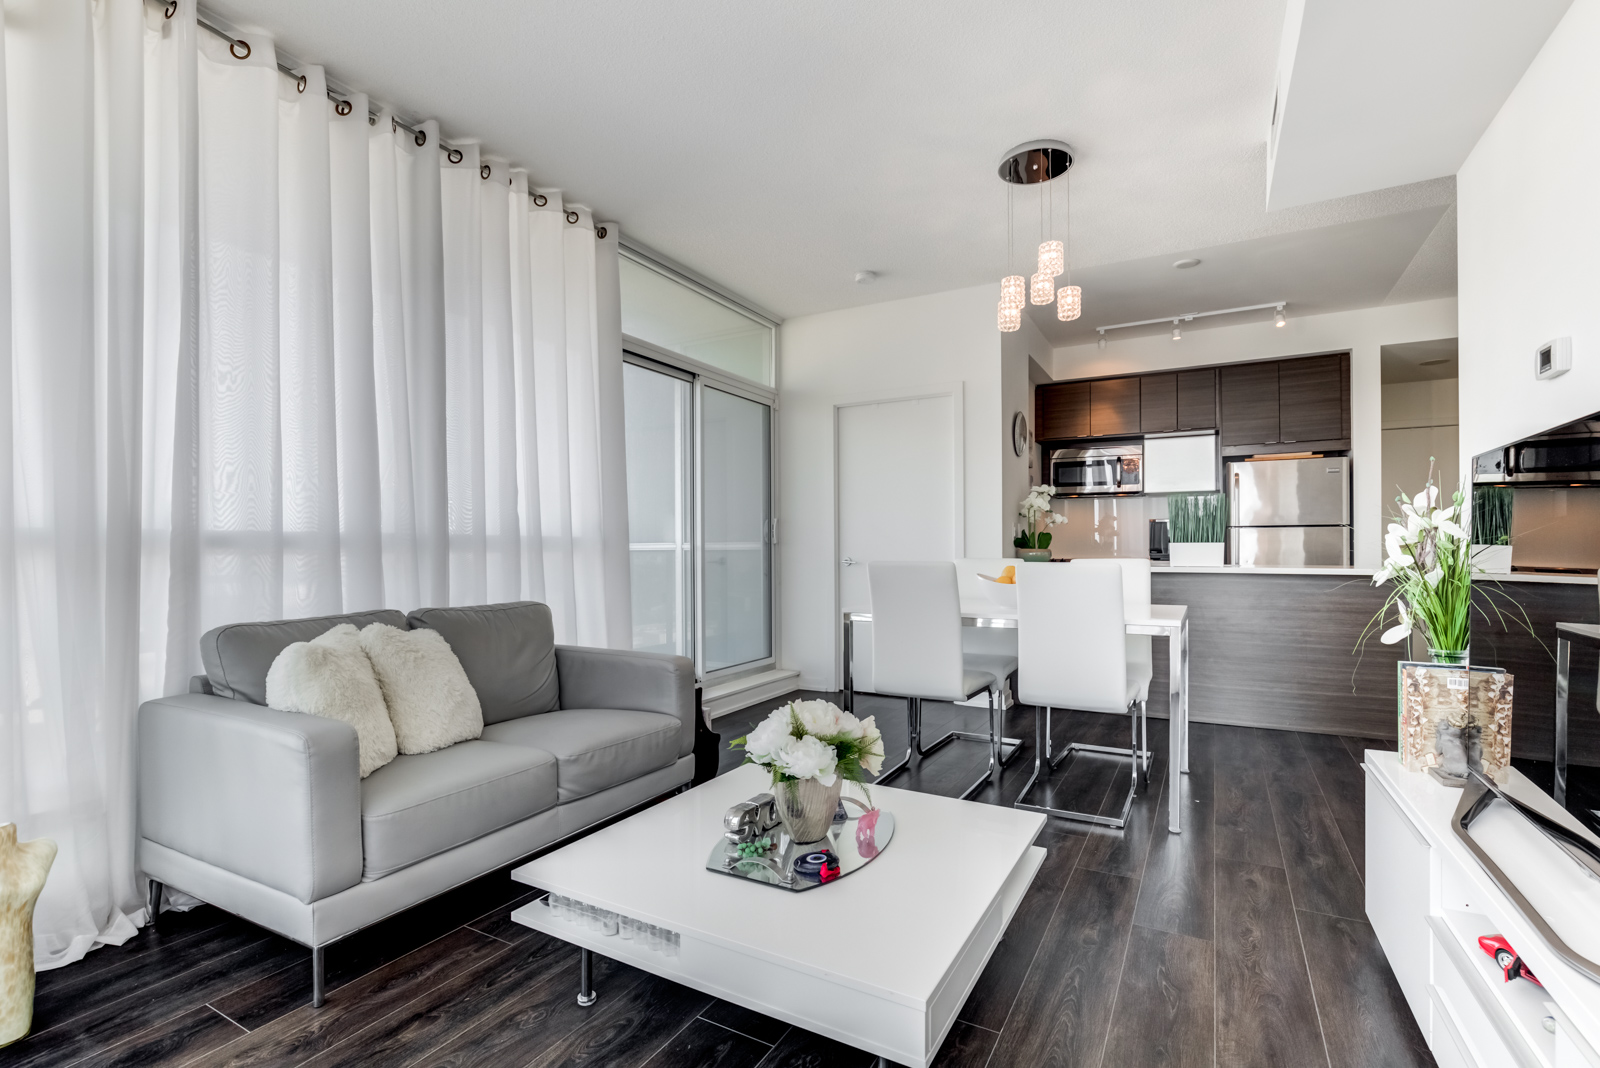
[
  {"x": 806, "y": 807},
  {"x": 1456, "y": 657}
]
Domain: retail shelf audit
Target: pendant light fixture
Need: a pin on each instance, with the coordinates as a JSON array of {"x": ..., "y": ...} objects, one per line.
[
  {"x": 1069, "y": 298},
  {"x": 1037, "y": 163}
]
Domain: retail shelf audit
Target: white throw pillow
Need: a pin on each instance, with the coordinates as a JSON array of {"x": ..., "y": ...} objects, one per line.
[
  {"x": 430, "y": 700},
  {"x": 330, "y": 676}
]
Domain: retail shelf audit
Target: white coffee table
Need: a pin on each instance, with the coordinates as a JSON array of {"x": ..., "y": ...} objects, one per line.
[{"x": 881, "y": 960}]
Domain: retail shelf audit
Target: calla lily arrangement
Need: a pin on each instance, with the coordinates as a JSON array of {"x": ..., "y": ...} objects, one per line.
[{"x": 1429, "y": 564}]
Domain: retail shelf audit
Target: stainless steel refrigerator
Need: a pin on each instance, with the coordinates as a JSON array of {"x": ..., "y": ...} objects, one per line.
[{"x": 1289, "y": 513}]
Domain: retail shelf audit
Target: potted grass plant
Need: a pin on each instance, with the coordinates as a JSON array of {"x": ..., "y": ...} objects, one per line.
[
  {"x": 1197, "y": 526},
  {"x": 1491, "y": 529}
]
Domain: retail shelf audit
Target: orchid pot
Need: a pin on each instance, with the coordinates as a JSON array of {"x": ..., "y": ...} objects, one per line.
[
  {"x": 1195, "y": 553},
  {"x": 1033, "y": 541}
]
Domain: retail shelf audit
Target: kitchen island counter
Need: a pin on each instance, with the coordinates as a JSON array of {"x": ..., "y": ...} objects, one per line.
[{"x": 1161, "y": 567}]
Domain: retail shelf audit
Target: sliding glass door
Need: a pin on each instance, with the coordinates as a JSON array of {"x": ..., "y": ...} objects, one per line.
[
  {"x": 658, "y": 433},
  {"x": 699, "y": 455}
]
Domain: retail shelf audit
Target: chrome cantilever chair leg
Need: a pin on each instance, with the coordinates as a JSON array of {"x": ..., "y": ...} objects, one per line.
[
  {"x": 915, "y": 750},
  {"x": 1139, "y": 760},
  {"x": 1008, "y": 746},
  {"x": 913, "y": 755}
]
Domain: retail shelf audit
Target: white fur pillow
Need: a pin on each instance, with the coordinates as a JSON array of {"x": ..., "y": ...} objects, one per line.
[
  {"x": 430, "y": 700},
  {"x": 330, "y": 676}
]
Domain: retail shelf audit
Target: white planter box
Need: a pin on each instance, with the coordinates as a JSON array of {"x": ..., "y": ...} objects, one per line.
[
  {"x": 1195, "y": 553},
  {"x": 1493, "y": 559}
]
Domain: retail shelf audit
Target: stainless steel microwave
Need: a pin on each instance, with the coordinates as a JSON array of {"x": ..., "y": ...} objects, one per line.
[{"x": 1110, "y": 469}]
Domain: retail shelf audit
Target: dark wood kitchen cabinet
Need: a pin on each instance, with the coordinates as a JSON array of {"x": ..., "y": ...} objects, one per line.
[
  {"x": 1061, "y": 411},
  {"x": 1197, "y": 399},
  {"x": 1311, "y": 399},
  {"x": 1158, "y": 404},
  {"x": 1114, "y": 407},
  {"x": 1249, "y": 393}
]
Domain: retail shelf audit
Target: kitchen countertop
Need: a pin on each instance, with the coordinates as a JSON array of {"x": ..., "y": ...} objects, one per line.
[{"x": 1158, "y": 566}]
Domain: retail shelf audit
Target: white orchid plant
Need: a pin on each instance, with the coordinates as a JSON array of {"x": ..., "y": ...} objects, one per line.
[
  {"x": 1036, "y": 514},
  {"x": 814, "y": 740},
  {"x": 1429, "y": 565}
]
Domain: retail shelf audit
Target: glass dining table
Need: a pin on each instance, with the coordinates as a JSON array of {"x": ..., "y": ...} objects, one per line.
[{"x": 1156, "y": 620}]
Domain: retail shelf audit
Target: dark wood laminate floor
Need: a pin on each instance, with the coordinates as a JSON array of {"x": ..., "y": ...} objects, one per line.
[{"x": 1241, "y": 942}]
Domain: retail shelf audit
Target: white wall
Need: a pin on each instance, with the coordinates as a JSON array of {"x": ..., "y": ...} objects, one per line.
[
  {"x": 1419, "y": 434},
  {"x": 1016, "y": 395},
  {"x": 1363, "y": 332},
  {"x": 883, "y": 350},
  {"x": 1527, "y": 210}
]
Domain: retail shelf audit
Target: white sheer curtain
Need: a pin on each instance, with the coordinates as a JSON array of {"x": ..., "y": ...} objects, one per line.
[{"x": 266, "y": 357}]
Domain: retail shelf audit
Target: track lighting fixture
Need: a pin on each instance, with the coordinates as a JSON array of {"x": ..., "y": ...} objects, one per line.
[
  {"x": 1280, "y": 320},
  {"x": 1177, "y": 335}
]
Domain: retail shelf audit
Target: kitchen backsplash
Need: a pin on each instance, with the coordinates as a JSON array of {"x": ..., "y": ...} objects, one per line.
[
  {"x": 1557, "y": 527},
  {"x": 1105, "y": 526}
]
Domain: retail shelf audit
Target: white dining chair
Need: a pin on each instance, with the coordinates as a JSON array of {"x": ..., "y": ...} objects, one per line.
[
  {"x": 1073, "y": 653},
  {"x": 917, "y": 655}
]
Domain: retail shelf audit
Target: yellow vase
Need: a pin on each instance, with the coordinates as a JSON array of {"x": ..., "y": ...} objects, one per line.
[{"x": 23, "y": 868}]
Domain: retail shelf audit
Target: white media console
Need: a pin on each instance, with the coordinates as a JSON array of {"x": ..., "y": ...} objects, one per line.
[{"x": 1429, "y": 900}]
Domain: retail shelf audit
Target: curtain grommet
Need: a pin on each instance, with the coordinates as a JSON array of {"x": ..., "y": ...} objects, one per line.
[
  {"x": 234, "y": 46},
  {"x": 342, "y": 108},
  {"x": 540, "y": 200},
  {"x": 573, "y": 217},
  {"x": 300, "y": 84},
  {"x": 454, "y": 155},
  {"x": 421, "y": 138},
  {"x": 600, "y": 232},
  {"x": 484, "y": 172},
  {"x": 172, "y": 9}
]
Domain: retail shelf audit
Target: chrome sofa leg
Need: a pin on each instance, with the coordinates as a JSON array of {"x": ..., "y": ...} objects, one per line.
[
  {"x": 155, "y": 904},
  {"x": 317, "y": 976}
]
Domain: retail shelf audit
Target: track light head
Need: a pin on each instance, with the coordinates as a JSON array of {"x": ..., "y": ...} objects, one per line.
[
  {"x": 1177, "y": 335},
  {"x": 1280, "y": 320}
]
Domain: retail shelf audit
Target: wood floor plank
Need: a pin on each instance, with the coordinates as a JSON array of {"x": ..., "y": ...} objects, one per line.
[
  {"x": 174, "y": 1041},
  {"x": 67, "y": 1001},
  {"x": 1321, "y": 872},
  {"x": 109, "y": 964},
  {"x": 748, "y": 1022},
  {"x": 966, "y": 1046},
  {"x": 1242, "y": 824},
  {"x": 806, "y": 1049},
  {"x": 1266, "y": 1013},
  {"x": 1124, "y": 852},
  {"x": 628, "y": 1029},
  {"x": 1343, "y": 785},
  {"x": 1177, "y": 886},
  {"x": 303, "y": 1032},
  {"x": 443, "y": 1011},
  {"x": 702, "y": 1044},
  {"x": 1064, "y": 1006},
  {"x": 993, "y": 995},
  {"x": 196, "y": 986},
  {"x": 1354, "y": 833},
  {"x": 1165, "y": 1014},
  {"x": 497, "y": 923},
  {"x": 1365, "y": 1017}
]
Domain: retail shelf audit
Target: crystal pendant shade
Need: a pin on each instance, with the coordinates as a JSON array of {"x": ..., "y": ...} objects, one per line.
[
  {"x": 1052, "y": 259},
  {"x": 1010, "y": 319},
  {"x": 1043, "y": 288},
  {"x": 1013, "y": 292},
  {"x": 1069, "y": 303}
]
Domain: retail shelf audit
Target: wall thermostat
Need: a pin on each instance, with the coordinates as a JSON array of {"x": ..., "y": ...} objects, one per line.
[{"x": 1553, "y": 358}]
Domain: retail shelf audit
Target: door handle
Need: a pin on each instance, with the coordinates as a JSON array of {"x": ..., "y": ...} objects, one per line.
[{"x": 847, "y": 562}]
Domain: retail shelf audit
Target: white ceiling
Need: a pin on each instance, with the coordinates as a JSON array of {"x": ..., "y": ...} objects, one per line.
[
  {"x": 777, "y": 149},
  {"x": 1361, "y": 82}
]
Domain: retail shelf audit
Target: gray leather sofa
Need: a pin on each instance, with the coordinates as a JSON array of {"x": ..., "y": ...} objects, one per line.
[{"x": 263, "y": 813}]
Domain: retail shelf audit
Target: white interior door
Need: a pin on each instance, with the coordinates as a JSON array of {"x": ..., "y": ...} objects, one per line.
[{"x": 898, "y": 491}]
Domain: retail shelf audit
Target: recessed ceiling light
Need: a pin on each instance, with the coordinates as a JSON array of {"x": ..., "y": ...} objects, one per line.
[
  {"x": 1434, "y": 363},
  {"x": 1185, "y": 264},
  {"x": 866, "y": 278}
]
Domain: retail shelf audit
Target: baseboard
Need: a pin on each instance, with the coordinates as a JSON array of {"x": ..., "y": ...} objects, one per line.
[{"x": 741, "y": 693}]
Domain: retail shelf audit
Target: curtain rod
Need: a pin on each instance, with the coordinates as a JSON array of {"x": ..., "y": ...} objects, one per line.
[{"x": 454, "y": 154}]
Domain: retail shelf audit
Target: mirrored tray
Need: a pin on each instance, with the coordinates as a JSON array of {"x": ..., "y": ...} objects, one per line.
[{"x": 852, "y": 843}]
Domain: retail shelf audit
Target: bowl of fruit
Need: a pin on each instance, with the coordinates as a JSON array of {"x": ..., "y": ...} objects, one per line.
[{"x": 1002, "y": 588}]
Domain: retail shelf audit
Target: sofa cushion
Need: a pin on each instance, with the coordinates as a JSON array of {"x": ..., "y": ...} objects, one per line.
[
  {"x": 330, "y": 676},
  {"x": 507, "y": 650},
  {"x": 595, "y": 748},
  {"x": 430, "y": 700},
  {"x": 418, "y": 806},
  {"x": 237, "y": 656}
]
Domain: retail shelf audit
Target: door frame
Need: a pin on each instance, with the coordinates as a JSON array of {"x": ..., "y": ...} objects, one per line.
[{"x": 956, "y": 392}]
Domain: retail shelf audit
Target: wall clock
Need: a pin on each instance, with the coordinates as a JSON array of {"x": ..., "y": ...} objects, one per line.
[{"x": 1019, "y": 434}]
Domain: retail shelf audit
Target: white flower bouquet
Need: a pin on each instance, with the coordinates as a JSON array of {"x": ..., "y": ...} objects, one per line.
[{"x": 812, "y": 748}]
